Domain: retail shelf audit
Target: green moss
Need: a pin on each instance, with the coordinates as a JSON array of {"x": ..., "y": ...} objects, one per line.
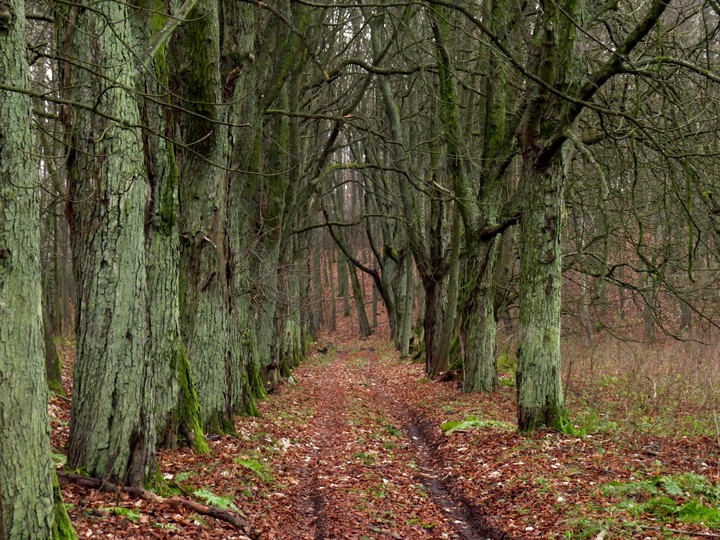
[
  {"x": 155, "y": 481},
  {"x": 55, "y": 386},
  {"x": 158, "y": 19},
  {"x": 250, "y": 408},
  {"x": 255, "y": 383},
  {"x": 62, "y": 527},
  {"x": 220, "y": 424},
  {"x": 228, "y": 426},
  {"x": 188, "y": 411}
]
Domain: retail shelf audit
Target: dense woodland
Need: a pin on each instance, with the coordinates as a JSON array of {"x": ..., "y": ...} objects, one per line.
[{"x": 185, "y": 188}]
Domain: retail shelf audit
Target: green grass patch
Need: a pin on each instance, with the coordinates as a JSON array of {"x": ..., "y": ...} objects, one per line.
[
  {"x": 685, "y": 498},
  {"x": 367, "y": 459},
  {"x": 474, "y": 422},
  {"x": 59, "y": 460}
]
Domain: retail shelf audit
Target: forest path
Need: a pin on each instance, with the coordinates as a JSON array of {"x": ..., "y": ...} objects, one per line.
[{"x": 358, "y": 467}]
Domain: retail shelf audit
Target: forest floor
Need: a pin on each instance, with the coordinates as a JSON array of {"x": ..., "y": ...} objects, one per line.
[{"x": 359, "y": 444}]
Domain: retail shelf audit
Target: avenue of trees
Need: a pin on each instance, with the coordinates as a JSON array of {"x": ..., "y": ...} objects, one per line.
[{"x": 185, "y": 185}]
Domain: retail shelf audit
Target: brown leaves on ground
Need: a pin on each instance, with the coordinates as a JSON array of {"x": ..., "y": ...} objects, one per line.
[{"x": 352, "y": 449}]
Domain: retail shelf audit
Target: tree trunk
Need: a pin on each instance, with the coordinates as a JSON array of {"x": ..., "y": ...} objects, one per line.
[
  {"x": 53, "y": 367},
  {"x": 112, "y": 432},
  {"x": 342, "y": 264},
  {"x": 205, "y": 313},
  {"x": 240, "y": 26},
  {"x": 177, "y": 409},
  {"x": 318, "y": 312},
  {"x": 445, "y": 336},
  {"x": 28, "y": 509},
  {"x": 330, "y": 253},
  {"x": 479, "y": 326},
  {"x": 363, "y": 323},
  {"x": 343, "y": 279},
  {"x": 435, "y": 363},
  {"x": 406, "y": 322},
  {"x": 539, "y": 386}
]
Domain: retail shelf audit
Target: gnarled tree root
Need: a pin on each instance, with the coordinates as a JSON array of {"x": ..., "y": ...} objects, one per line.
[{"x": 213, "y": 511}]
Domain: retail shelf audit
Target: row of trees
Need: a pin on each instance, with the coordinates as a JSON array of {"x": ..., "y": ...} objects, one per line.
[{"x": 196, "y": 159}]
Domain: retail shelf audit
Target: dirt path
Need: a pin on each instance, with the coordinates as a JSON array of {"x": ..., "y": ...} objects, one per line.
[
  {"x": 352, "y": 449},
  {"x": 360, "y": 465}
]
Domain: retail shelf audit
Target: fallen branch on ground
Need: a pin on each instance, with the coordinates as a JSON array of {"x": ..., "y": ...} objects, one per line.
[
  {"x": 679, "y": 531},
  {"x": 213, "y": 511}
]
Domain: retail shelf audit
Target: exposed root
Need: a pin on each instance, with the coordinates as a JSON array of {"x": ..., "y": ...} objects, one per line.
[{"x": 213, "y": 511}]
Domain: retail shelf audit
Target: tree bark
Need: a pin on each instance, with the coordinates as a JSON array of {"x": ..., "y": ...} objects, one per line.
[
  {"x": 28, "y": 508},
  {"x": 363, "y": 324},
  {"x": 241, "y": 23},
  {"x": 479, "y": 325},
  {"x": 112, "y": 431},
  {"x": 539, "y": 386},
  {"x": 177, "y": 409},
  {"x": 205, "y": 313}
]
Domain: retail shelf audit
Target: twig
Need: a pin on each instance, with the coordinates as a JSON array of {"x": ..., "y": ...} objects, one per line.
[
  {"x": 688, "y": 533},
  {"x": 386, "y": 532},
  {"x": 213, "y": 511}
]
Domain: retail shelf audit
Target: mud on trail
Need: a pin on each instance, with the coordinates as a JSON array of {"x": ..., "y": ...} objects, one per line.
[{"x": 359, "y": 467}]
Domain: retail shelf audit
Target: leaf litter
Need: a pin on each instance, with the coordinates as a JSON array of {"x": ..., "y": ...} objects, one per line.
[{"x": 354, "y": 449}]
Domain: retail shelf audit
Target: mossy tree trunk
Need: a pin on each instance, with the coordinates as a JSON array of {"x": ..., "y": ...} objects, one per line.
[
  {"x": 176, "y": 401},
  {"x": 272, "y": 193},
  {"x": 28, "y": 507},
  {"x": 241, "y": 24},
  {"x": 540, "y": 394},
  {"x": 269, "y": 231},
  {"x": 53, "y": 367},
  {"x": 112, "y": 432},
  {"x": 405, "y": 320},
  {"x": 480, "y": 283},
  {"x": 289, "y": 330},
  {"x": 318, "y": 313},
  {"x": 541, "y": 133},
  {"x": 539, "y": 385},
  {"x": 479, "y": 325},
  {"x": 205, "y": 312}
]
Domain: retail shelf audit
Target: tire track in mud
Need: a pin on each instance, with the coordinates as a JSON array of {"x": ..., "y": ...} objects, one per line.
[
  {"x": 361, "y": 477},
  {"x": 330, "y": 424},
  {"x": 467, "y": 518},
  {"x": 325, "y": 428}
]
